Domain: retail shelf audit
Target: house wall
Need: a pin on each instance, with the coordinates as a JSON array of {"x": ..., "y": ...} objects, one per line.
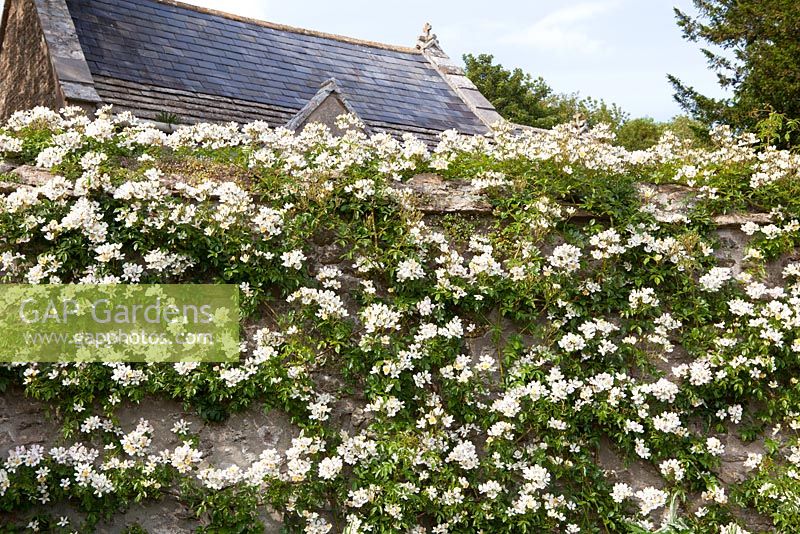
[{"x": 27, "y": 78}]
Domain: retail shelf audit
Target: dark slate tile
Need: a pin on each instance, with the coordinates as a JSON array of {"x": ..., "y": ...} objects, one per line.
[{"x": 180, "y": 48}]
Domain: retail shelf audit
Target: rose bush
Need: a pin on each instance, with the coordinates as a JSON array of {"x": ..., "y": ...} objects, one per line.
[{"x": 583, "y": 312}]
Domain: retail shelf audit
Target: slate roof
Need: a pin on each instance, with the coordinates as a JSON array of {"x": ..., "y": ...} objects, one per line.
[{"x": 157, "y": 55}]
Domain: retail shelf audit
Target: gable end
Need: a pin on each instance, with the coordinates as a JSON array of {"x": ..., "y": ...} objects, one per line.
[
  {"x": 41, "y": 59},
  {"x": 27, "y": 77},
  {"x": 324, "y": 107}
]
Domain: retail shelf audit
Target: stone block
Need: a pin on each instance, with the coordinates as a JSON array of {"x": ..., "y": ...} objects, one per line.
[
  {"x": 436, "y": 195},
  {"x": 6, "y": 166},
  {"x": 29, "y": 175}
]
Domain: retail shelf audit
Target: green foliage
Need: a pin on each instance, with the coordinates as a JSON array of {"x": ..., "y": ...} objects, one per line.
[
  {"x": 778, "y": 129},
  {"x": 522, "y": 99},
  {"x": 516, "y": 95},
  {"x": 759, "y": 61},
  {"x": 481, "y": 352},
  {"x": 639, "y": 134},
  {"x": 643, "y": 133},
  {"x": 231, "y": 510},
  {"x": 591, "y": 110},
  {"x": 774, "y": 488},
  {"x": 168, "y": 118}
]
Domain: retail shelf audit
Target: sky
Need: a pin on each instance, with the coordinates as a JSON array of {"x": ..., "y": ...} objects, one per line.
[{"x": 617, "y": 50}]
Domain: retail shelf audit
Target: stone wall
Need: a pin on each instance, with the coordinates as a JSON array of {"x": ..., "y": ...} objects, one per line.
[
  {"x": 240, "y": 438},
  {"x": 27, "y": 77}
]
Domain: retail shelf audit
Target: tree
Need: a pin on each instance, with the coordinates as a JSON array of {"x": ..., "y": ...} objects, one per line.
[
  {"x": 759, "y": 62},
  {"x": 522, "y": 99},
  {"x": 639, "y": 134},
  {"x": 516, "y": 95},
  {"x": 593, "y": 110},
  {"x": 691, "y": 129},
  {"x": 642, "y": 133}
]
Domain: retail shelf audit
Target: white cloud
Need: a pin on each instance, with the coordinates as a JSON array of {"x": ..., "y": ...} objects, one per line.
[{"x": 566, "y": 30}]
